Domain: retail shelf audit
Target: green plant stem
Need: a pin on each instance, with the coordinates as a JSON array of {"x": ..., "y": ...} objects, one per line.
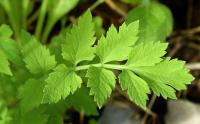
[
  {"x": 41, "y": 18},
  {"x": 108, "y": 66},
  {"x": 97, "y": 3},
  {"x": 33, "y": 17},
  {"x": 49, "y": 25}
]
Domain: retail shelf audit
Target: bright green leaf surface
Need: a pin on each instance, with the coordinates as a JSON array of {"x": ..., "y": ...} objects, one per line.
[
  {"x": 101, "y": 83},
  {"x": 146, "y": 54},
  {"x": 60, "y": 84},
  {"x": 137, "y": 88},
  {"x": 166, "y": 76},
  {"x": 117, "y": 45},
  {"x": 11, "y": 50},
  {"x": 5, "y": 31},
  {"x": 38, "y": 58},
  {"x": 79, "y": 40}
]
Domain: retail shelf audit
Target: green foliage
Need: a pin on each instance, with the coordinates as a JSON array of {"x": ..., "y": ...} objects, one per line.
[
  {"x": 61, "y": 83},
  {"x": 51, "y": 79},
  {"x": 109, "y": 48},
  {"x": 155, "y": 21},
  {"x": 4, "y": 114},
  {"x": 102, "y": 82},
  {"x": 55, "y": 9},
  {"x": 79, "y": 41},
  {"x": 27, "y": 94},
  {"x": 133, "y": 84},
  {"x": 4, "y": 65},
  {"x": 17, "y": 12},
  {"x": 85, "y": 103}
]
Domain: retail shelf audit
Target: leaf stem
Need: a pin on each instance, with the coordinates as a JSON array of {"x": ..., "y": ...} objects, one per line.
[
  {"x": 97, "y": 3},
  {"x": 41, "y": 19},
  {"x": 108, "y": 66}
]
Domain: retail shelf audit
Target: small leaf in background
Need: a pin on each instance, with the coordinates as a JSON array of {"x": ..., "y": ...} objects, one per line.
[
  {"x": 55, "y": 47},
  {"x": 32, "y": 91},
  {"x": 155, "y": 21},
  {"x": 83, "y": 102},
  {"x": 60, "y": 84},
  {"x": 78, "y": 44},
  {"x": 4, "y": 64},
  {"x": 101, "y": 83},
  {"x": 98, "y": 26},
  {"x": 36, "y": 116},
  {"x": 11, "y": 50},
  {"x": 37, "y": 57},
  {"x": 5, "y": 118},
  {"x": 110, "y": 48},
  {"x": 5, "y": 31},
  {"x": 9, "y": 46}
]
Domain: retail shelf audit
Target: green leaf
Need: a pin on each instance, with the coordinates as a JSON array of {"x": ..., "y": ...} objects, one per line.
[
  {"x": 32, "y": 94},
  {"x": 117, "y": 45},
  {"x": 9, "y": 46},
  {"x": 137, "y": 88},
  {"x": 82, "y": 102},
  {"x": 79, "y": 41},
  {"x": 4, "y": 64},
  {"x": 13, "y": 9},
  {"x": 101, "y": 82},
  {"x": 11, "y": 50},
  {"x": 35, "y": 116},
  {"x": 166, "y": 76},
  {"x": 58, "y": 8},
  {"x": 5, "y": 31},
  {"x": 60, "y": 84},
  {"x": 99, "y": 30},
  {"x": 37, "y": 57},
  {"x": 155, "y": 21},
  {"x": 146, "y": 54},
  {"x": 5, "y": 118}
]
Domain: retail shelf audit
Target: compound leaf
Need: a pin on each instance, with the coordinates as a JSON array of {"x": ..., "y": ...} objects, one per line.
[
  {"x": 117, "y": 45},
  {"x": 101, "y": 82},
  {"x": 60, "y": 84}
]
